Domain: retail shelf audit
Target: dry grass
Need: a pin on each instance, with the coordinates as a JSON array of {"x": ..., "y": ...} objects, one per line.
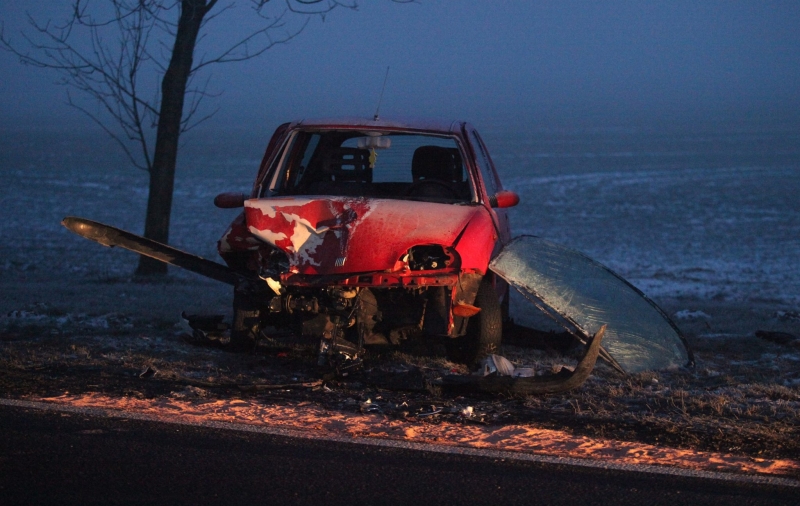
[{"x": 743, "y": 396}]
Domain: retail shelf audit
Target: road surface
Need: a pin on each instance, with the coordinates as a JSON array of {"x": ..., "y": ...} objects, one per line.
[{"x": 58, "y": 457}]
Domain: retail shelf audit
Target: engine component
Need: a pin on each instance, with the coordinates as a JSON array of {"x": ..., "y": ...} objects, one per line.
[{"x": 429, "y": 257}]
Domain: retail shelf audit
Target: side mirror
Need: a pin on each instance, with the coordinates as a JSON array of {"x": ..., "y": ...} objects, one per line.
[
  {"x": 229, "y": 200},
  {"x": 503, "y": 199}
]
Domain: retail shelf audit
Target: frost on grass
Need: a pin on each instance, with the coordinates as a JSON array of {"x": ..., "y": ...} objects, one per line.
[{"x": 743, "y": 396}]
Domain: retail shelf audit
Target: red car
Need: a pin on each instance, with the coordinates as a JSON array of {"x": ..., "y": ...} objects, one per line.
[{"x": 371, "y": 232}]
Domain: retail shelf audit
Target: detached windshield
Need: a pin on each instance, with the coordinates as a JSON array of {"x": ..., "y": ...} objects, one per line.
[{"x": 372, "y": 164}]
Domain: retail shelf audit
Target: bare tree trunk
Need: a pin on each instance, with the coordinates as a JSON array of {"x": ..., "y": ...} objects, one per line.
[
  {"x": 110, "y": 76},
  {"x": 173, "y": 92}
]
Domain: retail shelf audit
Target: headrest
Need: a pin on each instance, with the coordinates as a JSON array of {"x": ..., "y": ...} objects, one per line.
[
  {"x": 435, "y": 162},
  {"x": 347, "y": 164}
]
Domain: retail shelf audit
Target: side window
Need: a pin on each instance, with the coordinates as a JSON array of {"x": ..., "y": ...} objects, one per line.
[
  {"x": 487, "y": 170},
  {"x": 280, "y": 174},
  {"x": 311, "y": 147},
  {"x": 298, "y": 172}
]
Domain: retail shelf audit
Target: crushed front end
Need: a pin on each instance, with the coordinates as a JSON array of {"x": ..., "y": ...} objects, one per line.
[
  {"x": 360, "y": 237},
  {"x": 334, "y": 268}
]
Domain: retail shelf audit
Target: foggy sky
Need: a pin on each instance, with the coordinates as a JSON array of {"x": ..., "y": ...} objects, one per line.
[{"x": 515, "y": 61}]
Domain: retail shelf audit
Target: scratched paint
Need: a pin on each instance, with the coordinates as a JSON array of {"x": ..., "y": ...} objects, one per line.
[
  {"x": 237, "y": 238},
  {"x": 345, "y": 234},
  {"x": 312, "y": 231}
]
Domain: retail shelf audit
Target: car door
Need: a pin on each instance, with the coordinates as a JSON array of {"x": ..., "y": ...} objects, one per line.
[{"x": 490, "y": 184}]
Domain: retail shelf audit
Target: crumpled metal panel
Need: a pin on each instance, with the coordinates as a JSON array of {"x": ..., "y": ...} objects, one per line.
[
  {"x": 341, "y": 235},
  {"x": 639, "y": 336}
]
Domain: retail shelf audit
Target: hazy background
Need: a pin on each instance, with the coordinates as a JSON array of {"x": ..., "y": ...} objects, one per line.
[
  {"x": 660, "y": 138},
  {"x": 570, "y": 63}
]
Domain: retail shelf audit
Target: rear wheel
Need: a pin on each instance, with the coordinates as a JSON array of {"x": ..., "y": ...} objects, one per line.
[{"x": 485, "y": 329}]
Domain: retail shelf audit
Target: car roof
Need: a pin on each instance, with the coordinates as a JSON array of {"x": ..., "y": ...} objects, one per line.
[{"x": 414, "y": 124}]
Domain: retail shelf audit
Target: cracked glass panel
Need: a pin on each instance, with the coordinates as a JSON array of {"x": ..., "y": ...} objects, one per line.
[{"x": 639, "y": 337}]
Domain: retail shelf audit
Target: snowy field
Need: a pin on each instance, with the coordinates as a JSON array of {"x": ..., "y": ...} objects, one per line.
[{"x": 710, "y": 215}]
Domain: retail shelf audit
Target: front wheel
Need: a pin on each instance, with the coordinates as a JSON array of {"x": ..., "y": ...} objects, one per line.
[
  {"x": 246, "y": 321},
  {"x": 485, "y": 329}
]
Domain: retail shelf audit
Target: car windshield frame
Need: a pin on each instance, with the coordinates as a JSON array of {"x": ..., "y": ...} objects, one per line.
[{"x": 294, "y": 163}]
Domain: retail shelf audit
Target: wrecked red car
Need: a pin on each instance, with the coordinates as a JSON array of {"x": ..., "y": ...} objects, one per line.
[
  {"x": 364, "y": 232},
  {"x": 371, "y": 232}
]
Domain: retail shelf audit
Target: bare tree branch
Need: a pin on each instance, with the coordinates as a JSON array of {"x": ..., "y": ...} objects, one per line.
[
  {"x": 135, "y": 59},
  {"x": 244, "y": 50},
  {"x": 105, "y": 69},
  {"x": 114, "y": 136},
  {"x": 130, "y": 39},
  {"x": 197, "y": 95}
]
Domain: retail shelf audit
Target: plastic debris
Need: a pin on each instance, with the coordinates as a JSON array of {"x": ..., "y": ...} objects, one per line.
[
  {"x": 369, "y": 407},
  {"x": 496, "y": 364},
  {"x": 434, "y": 411},
  {"x": 563, "y": 381}
]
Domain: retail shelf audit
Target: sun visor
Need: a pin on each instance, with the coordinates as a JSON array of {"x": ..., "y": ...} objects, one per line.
[{"x": 588, "y": 295}]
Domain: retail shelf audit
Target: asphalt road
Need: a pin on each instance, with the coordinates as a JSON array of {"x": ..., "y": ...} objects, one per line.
[{"x": 60, "y": 458}]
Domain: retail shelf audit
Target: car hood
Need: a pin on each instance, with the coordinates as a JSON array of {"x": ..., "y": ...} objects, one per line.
[{"x": 340, "y": 235}]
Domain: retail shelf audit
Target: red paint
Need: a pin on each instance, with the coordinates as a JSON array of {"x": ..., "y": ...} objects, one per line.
[
  {"x": 476, "y": 243},
  {"x": 506, "y": 198},
  {"x": 370, "y": 234},
  {"x": 238, "y": 238},
  {"x": 347, "y": 241},
  {"x": 407, "y": 279}
]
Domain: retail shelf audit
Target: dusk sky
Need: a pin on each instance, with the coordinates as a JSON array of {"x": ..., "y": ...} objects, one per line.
[{"x": 516, "y": 61}]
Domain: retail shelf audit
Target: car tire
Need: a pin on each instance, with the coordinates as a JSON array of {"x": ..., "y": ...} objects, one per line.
[
  {"x": 485, "y": 329},
  {"x": 246, "y": 321},
  {"x": 505, "y": 307}
]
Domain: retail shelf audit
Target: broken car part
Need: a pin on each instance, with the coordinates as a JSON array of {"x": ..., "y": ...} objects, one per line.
[
  {"x": 587, "y": 295},
  {"x": 563, "y": 381},
  {"x": 110, "y": 236}
]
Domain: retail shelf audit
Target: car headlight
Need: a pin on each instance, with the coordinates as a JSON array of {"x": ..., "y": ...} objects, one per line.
[{"x": 430, "y": 257}]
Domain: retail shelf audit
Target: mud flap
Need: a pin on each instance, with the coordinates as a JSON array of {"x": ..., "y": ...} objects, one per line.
[{"x": 582, "y": 295}]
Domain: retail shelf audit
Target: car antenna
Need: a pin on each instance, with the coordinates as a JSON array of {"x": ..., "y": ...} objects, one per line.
[{"x": 377, "y": 109}]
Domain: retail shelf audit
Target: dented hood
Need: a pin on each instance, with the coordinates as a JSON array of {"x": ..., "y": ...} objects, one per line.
[
  {"x": 339, "y": 235},
  {"x": 588, "y": 295}
]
